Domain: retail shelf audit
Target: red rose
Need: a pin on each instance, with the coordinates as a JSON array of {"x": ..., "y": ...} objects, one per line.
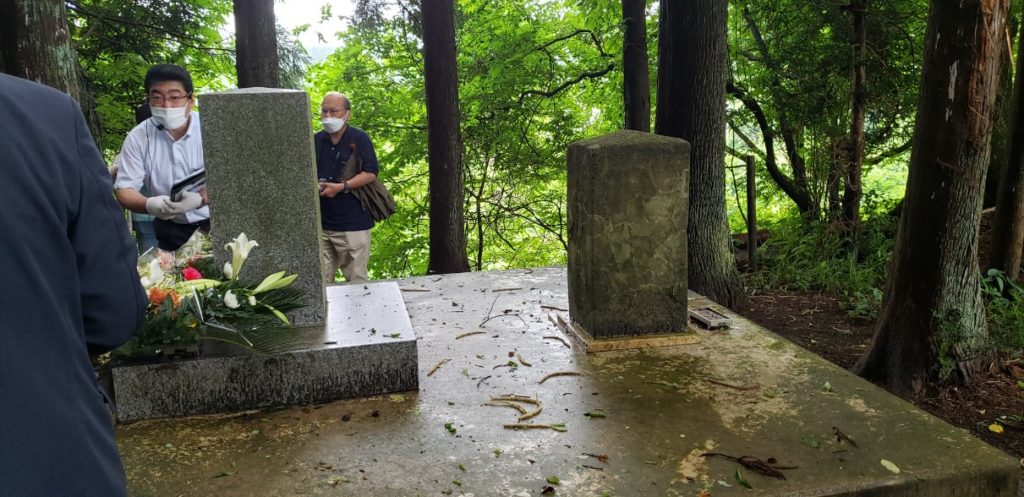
[{"x": 191, "y": 273}]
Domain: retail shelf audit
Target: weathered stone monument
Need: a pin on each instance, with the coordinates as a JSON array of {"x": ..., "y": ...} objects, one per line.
[
  {"x": 257, "y": 144},
  {"x": 350, "y": 341},
  {"x": 628, "y": 203}
]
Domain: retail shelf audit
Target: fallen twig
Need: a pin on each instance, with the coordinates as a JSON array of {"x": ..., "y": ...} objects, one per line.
[
  {"x": 513, "y": 405},
  {"x": 560, "y": 339},
  {"x": 414, "y": 289},
  {"x": 482, "y": 380},
  {"x": 471, "y": 333},
  {"x": 553, "y": 308},
  {"x": 523, "y": 361},
  {"x": 728, "y": 385},
  {"x": 767, "y": 468},
  {"x": 664, "y": 384},
  {"x": 531, "y": 415},
  {"x": 842, "y": 437},
  {"x": 527, "y": 426},
  {"x": 437, "y": 366},
  {"x": 507, "y": 289},
  {"x": 592, "y": 467},
  {"x": 516, "y": 398},
  {"x": 516, "y": 314},
  {"x": 558, "y": 373}
]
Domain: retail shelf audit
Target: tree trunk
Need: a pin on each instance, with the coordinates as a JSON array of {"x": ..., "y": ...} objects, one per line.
[
  {"x": 1008, "y": 225},
  {"x": 799, "y": 195},
  {"x": 852, "y": 187},
  {"x": 256, "y": 44},
  {"x": 35, "y": 44},
  {"x": 933, "y": 317},
  {"x": 444, "y": 140},
  {"x": 691, "y": 105},
  {"x": 636, "y": 87},
  {"x": 1002, "y": 118}
]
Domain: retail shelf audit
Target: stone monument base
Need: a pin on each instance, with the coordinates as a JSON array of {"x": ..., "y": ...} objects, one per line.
[
  {"x": 591, "y": 345},
  {"x": 367, "y": 347}
]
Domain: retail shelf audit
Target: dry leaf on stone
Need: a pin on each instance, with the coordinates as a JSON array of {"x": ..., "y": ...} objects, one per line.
[{"x": 890, "y": 466}]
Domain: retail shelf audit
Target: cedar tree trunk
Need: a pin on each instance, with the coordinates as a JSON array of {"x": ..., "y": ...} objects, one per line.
[
  {"x": 256, "y": 44},
  {"x": 444, "y": 140},
  {"x": 691, "y": 105},
  {"x": 35, "y": 44},
  {"x": 1008, "y": 225},
  {"x": 852, "y": 188},
  {"x": 636, "y": 87},
  {"x": 932, "y": 321}
]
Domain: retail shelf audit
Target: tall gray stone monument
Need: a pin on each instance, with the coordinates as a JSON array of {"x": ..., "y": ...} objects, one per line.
[
  {"x": 628, "y": 204},
  {"x": 258, "y": 147}
]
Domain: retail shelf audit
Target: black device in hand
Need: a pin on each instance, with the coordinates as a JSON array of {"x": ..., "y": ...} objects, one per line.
[{"x": 192, "y": 183}]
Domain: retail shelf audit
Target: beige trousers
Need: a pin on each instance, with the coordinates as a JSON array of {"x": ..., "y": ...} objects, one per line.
[{"x": 348, "y": 250}]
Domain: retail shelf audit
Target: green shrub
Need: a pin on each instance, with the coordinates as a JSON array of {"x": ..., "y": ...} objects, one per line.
[
  {"x": 1004, "y": 307},
  {"x": 815, "y": 257}
]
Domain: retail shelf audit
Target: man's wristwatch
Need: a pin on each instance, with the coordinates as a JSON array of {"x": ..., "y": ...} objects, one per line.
[{"x": 344, "y": 187}]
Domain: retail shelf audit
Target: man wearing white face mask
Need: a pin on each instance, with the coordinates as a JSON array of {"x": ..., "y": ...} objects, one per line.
[
  {"x": 161, "y": 152},
  {"x": 345, "y": 222}
]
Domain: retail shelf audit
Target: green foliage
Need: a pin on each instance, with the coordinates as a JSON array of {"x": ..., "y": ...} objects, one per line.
[
  {"x": 814, "y": 257},
  {"x": 805, "y": 79},
  {"x": 534, "y": 77},
  {"x": 1004, "y": 307},
  {"x": 118, "y": 40}
]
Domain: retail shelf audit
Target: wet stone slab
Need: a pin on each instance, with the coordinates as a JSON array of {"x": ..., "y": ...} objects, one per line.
[
  {"x": 741, "y": 391},
  {"x": 367, "y": 347}
]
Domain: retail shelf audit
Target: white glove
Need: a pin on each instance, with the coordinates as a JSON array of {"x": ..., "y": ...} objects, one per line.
[
  {"x": 190, "y": 201},
  {"x": 162, "y": 207}
]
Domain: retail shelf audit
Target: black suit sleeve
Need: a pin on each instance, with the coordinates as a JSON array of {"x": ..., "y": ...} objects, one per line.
[{"x": 113, "y": 301}]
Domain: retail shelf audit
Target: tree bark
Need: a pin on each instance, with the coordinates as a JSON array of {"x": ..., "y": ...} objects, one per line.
[
  {"x": 256, "y": 44},
  {"x": 636, "y": 87},
  {"x": 852, "y": 191},
  {"x": 933, "y": 317},
  {"x": 444, "y": 140},
  {"x": 691, "y": 105},
  {"x": 1002, "y": 118},
  {"x": 1008, "y": 225},
  {"x": 35, "y": 44}
]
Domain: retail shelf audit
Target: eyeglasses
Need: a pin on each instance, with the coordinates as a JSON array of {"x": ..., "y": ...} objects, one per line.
[{"x": 174, "y": 100}]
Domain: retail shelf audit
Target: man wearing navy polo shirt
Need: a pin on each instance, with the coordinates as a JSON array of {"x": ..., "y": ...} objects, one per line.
[{"x": 345, "y": 222}]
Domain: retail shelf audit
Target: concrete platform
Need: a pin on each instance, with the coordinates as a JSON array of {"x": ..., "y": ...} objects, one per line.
[
  {"x": 742, "y": 392},
  {"x": 367, "y": 347}
]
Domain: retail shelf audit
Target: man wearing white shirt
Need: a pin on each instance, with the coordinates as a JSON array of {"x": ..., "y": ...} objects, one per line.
[{"x": 161, "y": 152}]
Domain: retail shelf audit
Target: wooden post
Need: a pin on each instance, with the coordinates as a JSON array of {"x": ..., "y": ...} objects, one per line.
[{"x": 751, "y": 215}]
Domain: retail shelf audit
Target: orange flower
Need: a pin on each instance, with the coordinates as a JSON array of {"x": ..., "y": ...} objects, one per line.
[{"x": 157, "y": 296}]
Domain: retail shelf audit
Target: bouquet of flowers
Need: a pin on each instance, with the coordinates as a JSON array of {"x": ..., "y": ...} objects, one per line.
[{"x": 187, "y": 305}]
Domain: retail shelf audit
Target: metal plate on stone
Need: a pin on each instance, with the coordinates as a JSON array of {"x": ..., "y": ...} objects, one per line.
[{"x": 710, "y": 317}]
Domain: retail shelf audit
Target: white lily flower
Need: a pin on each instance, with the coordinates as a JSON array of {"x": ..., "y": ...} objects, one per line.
[
  {"x": 240, "y": 248},
  {"x": 155, "y": 276},
  {"x": 252, "y": 300},
  {"x": 231, "y": 300},
  {"x": 228, "y": 272}
]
